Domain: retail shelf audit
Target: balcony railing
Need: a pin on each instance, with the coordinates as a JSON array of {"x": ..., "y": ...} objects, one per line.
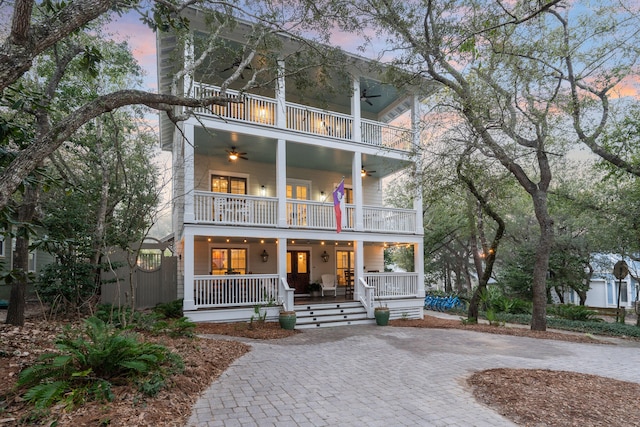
[
  {"x": 238, "y": 209},
  {"x": 219, "y": 208},
  {"x": 246, "y": 108},
  {"x": 316, "y": 215},
  {"x": 389, "y": 220},
  {"x": 393, "y": 285},
  {"x": 262, "y": 110}
]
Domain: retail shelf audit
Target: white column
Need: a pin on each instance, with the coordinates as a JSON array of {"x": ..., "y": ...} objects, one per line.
[
  {"x": 189, "y": 166},
  {"x": 415, "y": 132},
  {"x": 418, "y": 265},
  {"x": 188, "y": 263},
  {"x": 355, "y": 111},
  {"x": 281, "y": 182},
  {"x": 358, "y": 268},
  {"x": 357, "y": 190},
  {"x": 281, "y": 104},
  {"x": 281, "y": 249}
]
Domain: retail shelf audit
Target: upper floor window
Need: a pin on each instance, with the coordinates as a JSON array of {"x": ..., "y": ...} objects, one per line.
[{"x": 228, "y": 184}]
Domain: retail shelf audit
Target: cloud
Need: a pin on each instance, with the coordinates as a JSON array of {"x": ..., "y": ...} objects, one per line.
[{"x": 629, "y": 86}]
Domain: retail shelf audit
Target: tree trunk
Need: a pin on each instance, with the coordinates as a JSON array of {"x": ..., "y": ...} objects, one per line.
[
  {"x": 98, "y": 236},
  {"x": 17, "y": 298},
  {"x": 541, "y": 266}
]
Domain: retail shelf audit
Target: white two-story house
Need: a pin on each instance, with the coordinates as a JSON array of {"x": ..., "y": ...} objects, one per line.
[{"x": 253, "y": 210}]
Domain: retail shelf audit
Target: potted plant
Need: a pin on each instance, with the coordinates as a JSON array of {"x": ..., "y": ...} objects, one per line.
[
  {"x": 382, "y": 315},
  {"x": 287, "y": 320},
  {"x": 314, "y": 289}
]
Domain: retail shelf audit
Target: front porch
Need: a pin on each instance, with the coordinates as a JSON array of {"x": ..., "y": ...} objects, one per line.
[{"x": 229, "y": 298}]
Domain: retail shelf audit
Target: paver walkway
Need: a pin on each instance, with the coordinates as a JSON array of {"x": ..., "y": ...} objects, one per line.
[{"x": 386, "y": 376}]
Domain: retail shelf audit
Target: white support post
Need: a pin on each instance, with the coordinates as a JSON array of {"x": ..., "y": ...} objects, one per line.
[
  {"x": 281, "y": 103},
  {"x": 189, "y": 165},
  {"x": 357, "y": 191},
  {"x": 188, "y": 264},
  {"x": 415, "y": 132},
  {"x": 418, "y": 263},
  {"x": 281, "y": 183},
  {"x": 281, "y": 249},
  {"x": 358, "y": 268},
  {"x": 356, "y": 111}
]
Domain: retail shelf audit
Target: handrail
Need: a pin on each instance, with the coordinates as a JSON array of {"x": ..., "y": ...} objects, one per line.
[
  {"x": 285, "y": 295},
  {"x": 365, "y": 295}
]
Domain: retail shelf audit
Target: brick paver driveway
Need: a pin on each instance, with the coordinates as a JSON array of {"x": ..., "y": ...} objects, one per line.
[{"x": 387, "y": 376}]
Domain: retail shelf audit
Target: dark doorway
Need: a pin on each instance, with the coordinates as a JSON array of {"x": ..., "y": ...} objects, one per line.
[{"x": 298, "y": 270}]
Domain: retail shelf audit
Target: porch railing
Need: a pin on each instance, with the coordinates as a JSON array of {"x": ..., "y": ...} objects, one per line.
[
  {"x": 235, "y": 209},
  {"x": 393, "y": 285},
  {"x": 366, "y": 295},
  {"x": 262, "y": 110},
  {"x": 232, "y": 290},
  {"x": 286, "y": 295}
]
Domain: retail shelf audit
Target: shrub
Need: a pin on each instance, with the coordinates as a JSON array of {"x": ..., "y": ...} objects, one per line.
[
  {"x": 574, "y": 312},
  {"x": 170, "y": 310},
  {"x": 69, "y": 284},
  {"x": 89, "y": 361}
]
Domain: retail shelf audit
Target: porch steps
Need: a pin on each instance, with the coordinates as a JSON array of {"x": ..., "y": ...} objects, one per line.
[{"x": 310, "y": 316}]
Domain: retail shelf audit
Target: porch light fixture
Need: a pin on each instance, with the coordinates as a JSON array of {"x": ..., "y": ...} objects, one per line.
[
  {"x": 325, "y": 256},
  {"x": 233, "y": 156},
  {"x": 264, "y": 255},
  {"x": 263, "y": 191},
  {"x": 363, "y": 173}
]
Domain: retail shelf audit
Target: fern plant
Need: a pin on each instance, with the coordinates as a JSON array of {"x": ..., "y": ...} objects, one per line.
[{"x": 89, "y": 361}]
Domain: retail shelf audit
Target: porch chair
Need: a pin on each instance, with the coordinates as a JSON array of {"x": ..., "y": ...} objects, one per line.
[{"x": 329, "y": 284}]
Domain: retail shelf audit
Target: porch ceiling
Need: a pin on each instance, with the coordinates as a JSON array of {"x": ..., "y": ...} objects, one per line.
[{"x": 263, "y": 150}]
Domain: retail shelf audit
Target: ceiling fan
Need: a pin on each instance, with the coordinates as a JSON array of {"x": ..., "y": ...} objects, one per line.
[
  {"x": 364, "y": 97},
  {"x": 364, "y": 172},
  {"x": 235, "y": 155}
]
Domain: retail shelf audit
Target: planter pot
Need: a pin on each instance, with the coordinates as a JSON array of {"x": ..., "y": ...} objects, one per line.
[
  {"x": 314, "y": 294},
  {"x": 382, "y": 316},
  {"x": 287, "y": 320}
]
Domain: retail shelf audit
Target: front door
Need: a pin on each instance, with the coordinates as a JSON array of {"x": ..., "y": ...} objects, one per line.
[{"x": 298, "y": 270}]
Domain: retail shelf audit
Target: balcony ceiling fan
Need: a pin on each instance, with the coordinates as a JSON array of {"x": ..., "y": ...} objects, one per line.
[
  {"x": 364, "y": 172},
  {"x": 364, "y": 97},
  {"x": 235, "y": 155}
]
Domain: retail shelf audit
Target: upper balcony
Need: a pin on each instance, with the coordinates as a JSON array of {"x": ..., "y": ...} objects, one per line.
[
  {"x": 263, "y": 111},
  {"x": 245, "y": 210}
]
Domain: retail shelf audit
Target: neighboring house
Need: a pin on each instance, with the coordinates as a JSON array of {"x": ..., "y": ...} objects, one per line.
[
  {"x": 603, "y": 288},
  {"x": 37, "y": 260},
  {"x": 257, "y": 229}
]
